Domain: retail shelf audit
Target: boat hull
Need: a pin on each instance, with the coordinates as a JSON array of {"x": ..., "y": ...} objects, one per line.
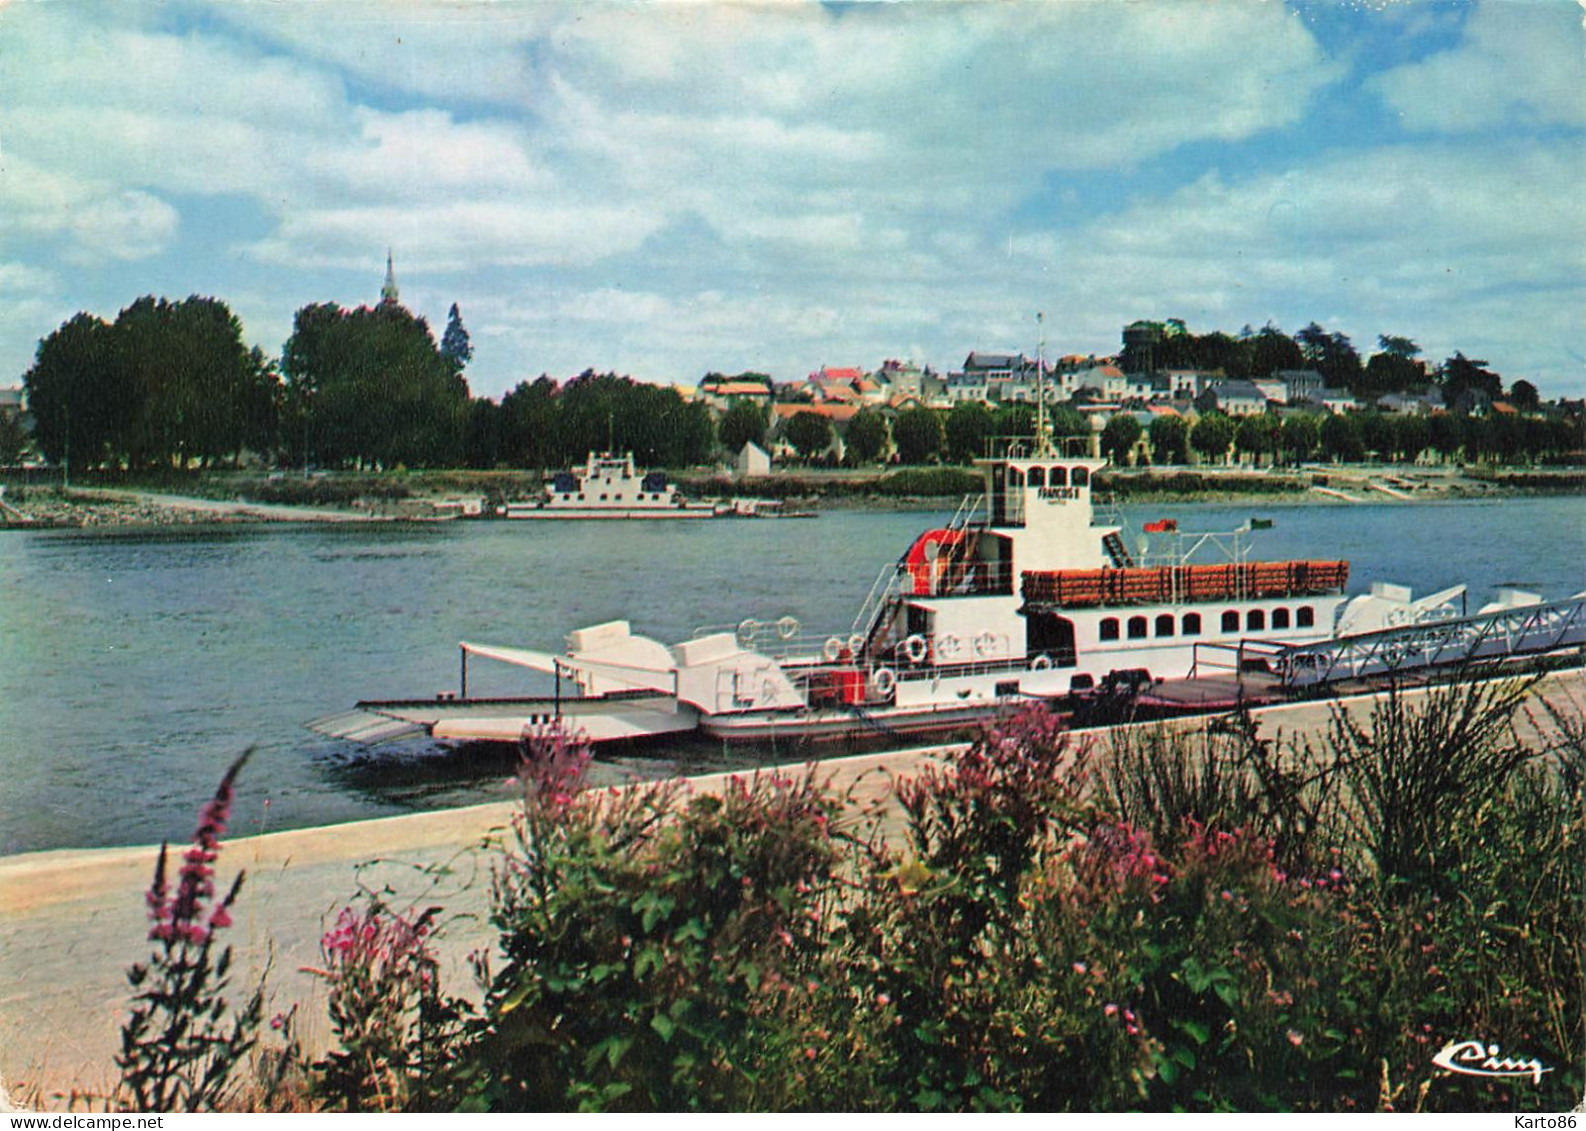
[{"x": 554, "y": 514}]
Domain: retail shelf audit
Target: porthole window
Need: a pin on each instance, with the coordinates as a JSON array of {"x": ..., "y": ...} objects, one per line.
[
  {"x": 1280, "y": 618},
  {"x": 1305, "y": 616},
  {"x": 1192, "y": 624},
  {"x": 1164, "y": 624},
  {"x": 1109, "y": 628},
  {"x": 1137, "y": 628},
  {"x": 1255, "y": 620},
  {"x": 1230, "y": 621}
]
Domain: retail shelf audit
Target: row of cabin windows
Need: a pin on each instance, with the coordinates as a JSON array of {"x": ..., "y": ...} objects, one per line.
[
  {"x": 1255, "y": 620},
  {"x": 1050, "y": 477}
]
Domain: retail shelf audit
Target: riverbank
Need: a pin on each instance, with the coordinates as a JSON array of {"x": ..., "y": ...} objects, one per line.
[
  {"x": 438, "y": 496},
  {"x": 75, "y": 919}
]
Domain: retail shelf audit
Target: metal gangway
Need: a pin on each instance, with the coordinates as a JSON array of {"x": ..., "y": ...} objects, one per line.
[{"x": 1491, "y": 637}]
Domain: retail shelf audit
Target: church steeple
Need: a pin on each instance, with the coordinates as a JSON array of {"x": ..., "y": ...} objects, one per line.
[{"x": 388, "y": 293}]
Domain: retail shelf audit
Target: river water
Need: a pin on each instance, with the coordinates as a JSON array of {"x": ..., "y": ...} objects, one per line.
[{"x": 135, "y": 664}]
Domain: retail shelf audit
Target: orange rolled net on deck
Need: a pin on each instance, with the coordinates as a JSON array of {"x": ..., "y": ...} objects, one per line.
[{"x": 1077, "y": 588}]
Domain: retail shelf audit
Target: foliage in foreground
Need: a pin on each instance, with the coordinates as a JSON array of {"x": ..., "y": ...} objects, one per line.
[
  {"x": 181, "y": 1046},
  {"x": 1192, "y": 920}
]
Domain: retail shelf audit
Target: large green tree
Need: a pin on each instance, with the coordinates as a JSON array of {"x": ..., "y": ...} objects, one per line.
[
  {"x": 1271, "y": 350},
  {"x": 743, "y": 423},
  {"x": 1332, "y": 355},
  {"x": 1341, "y": 438},
  {"x": 528, "y": 425},
  {"x": 76, "y": 394},
  {"x": 1301, "y": 434},
  {"x": 1212, "y": 436},
  {"x": 375, "y": 387},
  {"x": 866, "y": 437},
  {"x": 968, "y": 427},
  {"x": 168, "y": 383},
  {"x": 1460, "y": 375},
  {"x": 810, "y": 433},
  {"x": 1256, "y": 435},
  {"x": 201, "y": 393},
  {"x": 917, "y": 434},
  {"x": 1169, "y": 437},
  {"x": 1119, "y": 437},
  {"x": 456, "y": 347}
]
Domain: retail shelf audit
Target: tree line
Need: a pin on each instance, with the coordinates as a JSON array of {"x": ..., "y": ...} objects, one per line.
[
  {"x": 1396, "y": 367},
  {"x": 171, "y": 384}
]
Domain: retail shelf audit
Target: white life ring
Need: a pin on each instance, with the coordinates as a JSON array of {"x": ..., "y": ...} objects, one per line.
[
  {"x": 832, "y": 649},
  {"x": 882, "y": 683},
  {"x": 856, "y": 643},
  {"x": 1041, "y": 663},
  {"x": 984, "y": 643},
  {"x": 948, "y": 646},
  {"x": 747, "y": 629},
  {"x": 787, "y": 628},
  {"x": 915, "y": 649}
]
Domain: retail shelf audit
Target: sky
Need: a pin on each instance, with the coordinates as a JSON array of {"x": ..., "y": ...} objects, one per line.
[{"x": 666, "y": 189}]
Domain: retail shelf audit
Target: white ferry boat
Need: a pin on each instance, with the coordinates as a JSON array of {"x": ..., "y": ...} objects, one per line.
[
  {"x": 609, "y": 486},
  {"x": 1028, "y": 593}
]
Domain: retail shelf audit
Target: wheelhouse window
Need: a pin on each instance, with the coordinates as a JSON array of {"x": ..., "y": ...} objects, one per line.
[
  {"x": 1108, "y": 629},
  {"x": 1305, "y": 616},
  {"x": 1231, "y": 621},
  {"x": 1060, "y": 477},
  {"x": 1015, "y": 477},
  {"x": 1164, "y": 624},
  {"x": 1192, "y": 624},
  {"x": 1280, "y": 618},
  {"x": 1137, "y": 628},
  {"x": 1081, "y": 476},
  {"x": 1255, "y": 620},
  {"x": 1038, "y": 477}
]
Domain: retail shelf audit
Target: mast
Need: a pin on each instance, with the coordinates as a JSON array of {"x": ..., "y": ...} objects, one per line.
[{"x": 1043, "y": 440}]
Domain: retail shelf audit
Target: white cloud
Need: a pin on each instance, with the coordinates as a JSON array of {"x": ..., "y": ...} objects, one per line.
[
  {"x": 671, "y": 187},
  {"x": 129, "y": 225},
  {"x": 1519, "y": 63}
]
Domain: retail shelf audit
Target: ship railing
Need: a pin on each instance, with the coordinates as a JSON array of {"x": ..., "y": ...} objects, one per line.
[
  {"x": 888, "y": 584},
  {"x": 1528, "y": 630},
  {"x": 1028, "y": 447},
  {"x": 1208, "y": 657},
  {"x": 1104, "y": 509},
  {"x": 877, "y": 678},
  {"x": 968, "y": 508}
]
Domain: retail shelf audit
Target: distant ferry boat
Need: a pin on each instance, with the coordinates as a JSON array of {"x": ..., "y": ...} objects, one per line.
[{"x": 609, "y": 486}]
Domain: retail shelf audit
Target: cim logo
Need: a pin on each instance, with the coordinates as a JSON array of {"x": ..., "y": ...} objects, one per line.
[{"x": 1473, "y": 1058}]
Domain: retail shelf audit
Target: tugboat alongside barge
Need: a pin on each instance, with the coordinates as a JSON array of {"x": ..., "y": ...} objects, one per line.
[{"x": 1027, "y": 594}]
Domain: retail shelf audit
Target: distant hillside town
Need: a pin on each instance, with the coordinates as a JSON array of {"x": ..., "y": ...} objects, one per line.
[{"x": 171, "y": 385}]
